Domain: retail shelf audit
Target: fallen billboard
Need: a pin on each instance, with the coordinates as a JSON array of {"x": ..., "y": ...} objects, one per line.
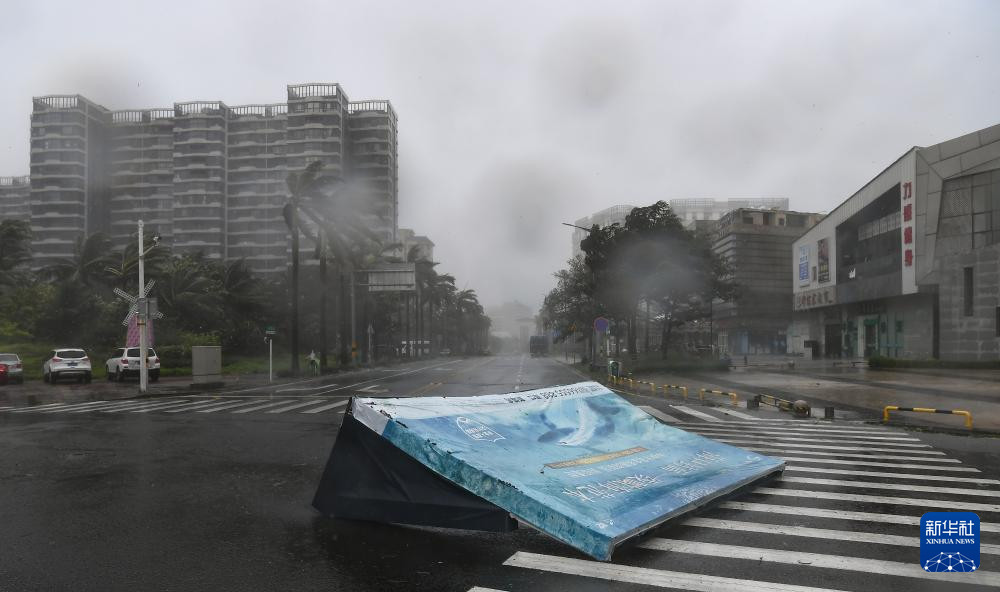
[{"x": 577, "y": 462}]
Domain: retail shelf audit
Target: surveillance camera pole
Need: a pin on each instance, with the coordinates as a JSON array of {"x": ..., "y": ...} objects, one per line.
[{"x": 141, "y": 319}]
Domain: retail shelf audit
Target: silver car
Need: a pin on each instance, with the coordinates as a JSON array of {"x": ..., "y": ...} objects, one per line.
[
  {"x": 70, "y": 362},
  {"x": 11, "y": 369},
  {"x": 125, "y": 362}
]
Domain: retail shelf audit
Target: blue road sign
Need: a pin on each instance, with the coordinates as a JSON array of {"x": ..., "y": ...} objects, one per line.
[{"x": 601, "y": 324}]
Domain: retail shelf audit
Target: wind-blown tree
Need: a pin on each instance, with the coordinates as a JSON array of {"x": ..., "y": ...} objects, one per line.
[
  {"x": 123, "y": 272},
  {"x": 189, "y": 296},
  {"x": 570, "y": 308},
  {"x": 653, "y": 258},
  {"x": 15, "y": 249},
  {"x": 88, "y": 265}
]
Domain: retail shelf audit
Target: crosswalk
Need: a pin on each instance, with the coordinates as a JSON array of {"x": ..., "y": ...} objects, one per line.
[
  {"x": 844, "y": 517},
  {"x": 679, "y": 415},
  {"x": 193, "y": 406}
]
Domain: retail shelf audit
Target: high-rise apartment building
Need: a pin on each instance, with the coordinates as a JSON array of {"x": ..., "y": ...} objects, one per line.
[
  {"x": 205, "y": 176},
  {"x": 14, "y": 195}
]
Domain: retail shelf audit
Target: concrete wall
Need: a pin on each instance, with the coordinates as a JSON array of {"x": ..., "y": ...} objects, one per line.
[{"x": 970, "y": 337}]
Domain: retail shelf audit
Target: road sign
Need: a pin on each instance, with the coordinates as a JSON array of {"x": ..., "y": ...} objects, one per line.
[
  {"x": 269, "y": 330},
  {"x": 601, "y": 324}
]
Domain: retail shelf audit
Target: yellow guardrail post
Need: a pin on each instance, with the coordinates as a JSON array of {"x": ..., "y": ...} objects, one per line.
[{"x": 962, "y": 412}]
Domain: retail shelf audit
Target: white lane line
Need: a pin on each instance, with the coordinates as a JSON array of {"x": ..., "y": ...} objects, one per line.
[
  {"x": 103, "y": 406},
  {"x": 649, "y": 577},
  {"x": 880, "y": 474},
  {"x": 697, "y": 413},
  {"x": 326, "y": 407},
  {"x": 836, "y": 514},
  {"x": 834, "y": 461},
  {"x": 738, "y": 414},
  {"x": 658, "y": 414},
  {"x": 874, "y": 538},
  {"x": 295, "y": 406},
  {"x": 6, "y": 407},
  {"x": 892, "y": 486},
  {"x": 264, "y": 406},
  {"x": 783, "y": 444},
  {"x": 777, "y": 449},
  {"x": 198, "y": 405},
  {"x": 167, "y": 405},
  {"x": 802, "y": 559},
  {"x": 137, "y": 405},
  {"x": 481, "y": 589},
  {"x": 229, "y": 405},
  {"x": 38, "y": 408},
  {"x": 75, "y": 406},
  {"x": 878, "y": 499},
  {"x": 795, "y": 438},
  {"x": 755, "y": 427}
]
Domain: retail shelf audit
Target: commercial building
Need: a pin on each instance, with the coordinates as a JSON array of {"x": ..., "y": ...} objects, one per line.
[
  {"x": 14, "y": 195},
  {"x": 206, "y": 176},
  {"x": 693, "y": 209},
  {"x": 757, "y": 244},
  {"x": 605, "y": 217},
  {"x": 908, "y": 266}
]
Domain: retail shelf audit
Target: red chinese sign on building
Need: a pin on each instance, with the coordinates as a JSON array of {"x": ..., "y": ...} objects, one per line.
[{"x": 907, "y": 190}]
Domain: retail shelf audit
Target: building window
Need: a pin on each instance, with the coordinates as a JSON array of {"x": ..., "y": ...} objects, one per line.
[{"x": 967, "y": 292}]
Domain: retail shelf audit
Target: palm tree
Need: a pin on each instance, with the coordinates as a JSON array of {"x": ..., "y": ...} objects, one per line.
[
  {"x": 125, "y": 269},
  {"x": 89, "y": 263},
  {"x": 15, "y": 250},
  {"x": 189, "y": 295}
]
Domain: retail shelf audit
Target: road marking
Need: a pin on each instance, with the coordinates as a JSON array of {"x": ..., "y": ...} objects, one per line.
[
  {"x": 892, "y": 486},
  {"x": 738, "y": 414},
  {"x": 137, "y": 405},
  {"x": 767, "y": 449},
  {"x": 171, "y": 405},
  {"x": 229, "y": 405},
  {"x": 38, "y": 407},
  {"x": 264, "y": 406},
  {"x": 696, "y": 413},
  {"x": 198, "y": 405},
  {"x": 325, "y": 407},
  {"x": 102, "y": 407},
  {"x": 878, "y": 499},
  {"x": 835, "y": 514},
  {"x": 802, "y": 559},
  {"x": 817, "y": 533},
  {"x": 658, "y": 414},
  {"x": 295, "y": 406},
  {"x": 783, "y": 444},
  {"x": 808, "y": 427},
  {"x": 834, "y": 439},
  {"x": 949, "y": 478},
  {"x": 520, "y": 373},
  {"x": 75, "y": 406},
  {"x": 649, "y": 577},
  {"x": 426, "y": 388},
  {"x": 481, "y": 589},
  {"x": 834, "y": 461}
]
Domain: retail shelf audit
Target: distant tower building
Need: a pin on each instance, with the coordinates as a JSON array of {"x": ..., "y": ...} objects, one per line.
[
  {"x": 207, "y": 177},
  {"x": 692, "y": 209},
  {"x": 409, "y": 239},
  {"x": 605, "y": 217},
  {"x": 15, "y": 193},
  {"x": 69, "y": 174}
]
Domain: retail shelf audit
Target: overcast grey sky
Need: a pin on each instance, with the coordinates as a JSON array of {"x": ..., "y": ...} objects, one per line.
[{"x": 514, "y": 117}]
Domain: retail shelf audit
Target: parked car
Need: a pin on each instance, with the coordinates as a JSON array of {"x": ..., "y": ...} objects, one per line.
[
  {"x": 125, "y": 362},
  {"x": 70, "y": 362},
  {"x": 11, "y": 369}
]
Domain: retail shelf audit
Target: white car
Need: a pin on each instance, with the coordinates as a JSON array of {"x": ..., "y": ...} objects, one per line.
[
  {"x": 70, "y": 362},
  {"x": 125, "y": 362}
]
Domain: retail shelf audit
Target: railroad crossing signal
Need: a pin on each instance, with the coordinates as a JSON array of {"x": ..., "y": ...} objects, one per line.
[{"x": 136, "y": 301}]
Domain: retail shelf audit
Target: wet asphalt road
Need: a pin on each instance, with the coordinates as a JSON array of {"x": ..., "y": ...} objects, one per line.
[{"x": 213, "y": 493}]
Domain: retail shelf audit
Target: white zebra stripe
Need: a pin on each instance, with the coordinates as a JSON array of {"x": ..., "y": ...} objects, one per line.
[
  {"x": 892, "y": 486},
  {"x": 878, "y": 499}
]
